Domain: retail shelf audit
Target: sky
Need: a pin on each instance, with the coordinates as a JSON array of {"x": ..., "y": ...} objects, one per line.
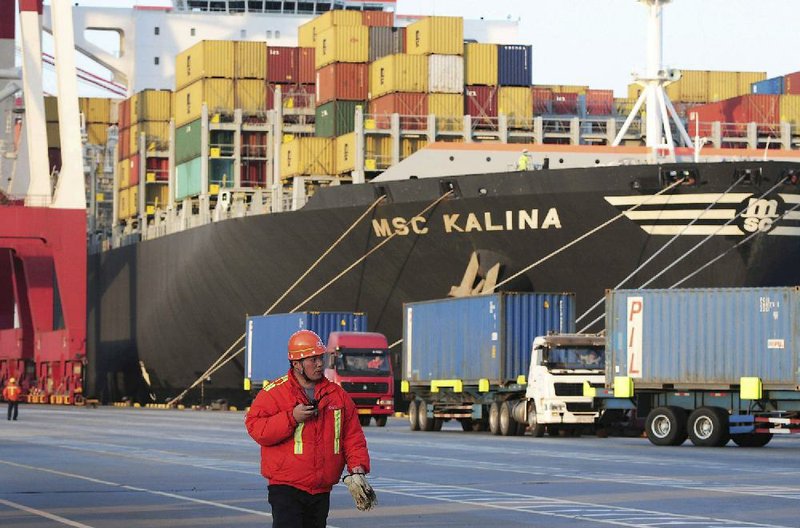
[{"x": 600, "y": 42}]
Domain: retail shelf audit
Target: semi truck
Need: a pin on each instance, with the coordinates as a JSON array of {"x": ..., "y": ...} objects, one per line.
[
  {"x": 488, "y": 362},
  {"x": 359, "y": 360},
  {"x": 711, "y": 365}
]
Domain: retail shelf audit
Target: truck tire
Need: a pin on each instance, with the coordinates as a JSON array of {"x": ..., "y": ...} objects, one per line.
[
  {"x": 751, "y": 439},
  {"x": 364, "y": 420},
  {"x": 480, "y": 425},
  {"x": 413, "y": 416},
  {"x": 466, "y": 424},
  {"x": 666, "y": 426},
  {"x": 380, "y": 421},
  {"x": 708, "y": 427},
  {"x": 425, "y": 423},
  {"x": 437, "y": 424},
  {"x": 508, "y": 426},
  {"x": 537, "y": 429},
  {"x": 494, "y": 418}
]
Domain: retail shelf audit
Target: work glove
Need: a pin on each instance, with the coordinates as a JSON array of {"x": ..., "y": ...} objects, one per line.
[{"x": 362, "y": 492}]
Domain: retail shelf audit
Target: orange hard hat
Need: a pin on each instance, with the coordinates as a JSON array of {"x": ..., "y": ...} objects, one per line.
[
  {"x": 12, "y": 380},
  {"x": 304, "y": 344}
]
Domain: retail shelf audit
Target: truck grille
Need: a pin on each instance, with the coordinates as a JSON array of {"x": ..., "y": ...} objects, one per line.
[
  {"x": 580, "y": 407},
  {"x": 366, "y": 386},
  {"x": 365, "y": 401},
  {"x": 569, "y": 389}
]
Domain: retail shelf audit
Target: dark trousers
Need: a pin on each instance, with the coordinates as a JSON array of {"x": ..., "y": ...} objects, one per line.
[
  {"x": 294, "y": 508},
  {"x": 13, "y": 406}
]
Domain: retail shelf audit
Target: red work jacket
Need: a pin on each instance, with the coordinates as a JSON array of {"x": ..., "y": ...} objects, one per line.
[
  {"x": 311, "y": 455},
  {"x": 11, "y": 393}
]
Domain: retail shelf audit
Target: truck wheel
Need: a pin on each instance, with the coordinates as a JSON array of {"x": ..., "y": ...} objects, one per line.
[
  {"x": 479, "y": 425},
  {"x": 537, "y": 429},
  {"x": 413, "y": 416},
  {"x": 466, "y": 424},
  {"x": 751, "y": 439},
  {"x": 708, "y": 427},
  {"x": 666, "y": 426},
  {"x": 364, "y": 420},
  {"x": 380, "y": 421},
  {"x": 508, "y": 427},
  {"x": 494, "y": 418},
  {"x": 437, "y": 424},
  {"x": 425, "y": 423}
]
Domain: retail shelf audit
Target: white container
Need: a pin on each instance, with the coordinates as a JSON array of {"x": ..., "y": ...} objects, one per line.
[{"x": 446, "y": 74}]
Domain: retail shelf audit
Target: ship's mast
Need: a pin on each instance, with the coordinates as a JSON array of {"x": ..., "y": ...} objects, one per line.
[{"x": 654, "y": 97}]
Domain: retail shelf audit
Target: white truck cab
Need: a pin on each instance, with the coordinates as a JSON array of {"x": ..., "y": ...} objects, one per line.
[{"x": 560, "y": 364}]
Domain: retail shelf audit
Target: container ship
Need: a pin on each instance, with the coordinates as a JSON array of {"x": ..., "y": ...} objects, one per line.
[{"x": 375, "y": 160}]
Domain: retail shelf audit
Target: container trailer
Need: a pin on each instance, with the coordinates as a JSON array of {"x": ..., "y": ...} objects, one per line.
[
  {"x": 488, "y": 362},
  {"x": 708, "y": 364},
  {"x": 359, "y": 361}
]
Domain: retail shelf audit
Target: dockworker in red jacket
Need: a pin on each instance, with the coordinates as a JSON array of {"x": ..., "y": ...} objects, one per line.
[
  {"x": 11, "y": 394},
  {"x": 308, "y": 429}
]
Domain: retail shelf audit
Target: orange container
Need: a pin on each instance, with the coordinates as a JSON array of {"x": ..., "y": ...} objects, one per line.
[{"x": 342, "y": 81}]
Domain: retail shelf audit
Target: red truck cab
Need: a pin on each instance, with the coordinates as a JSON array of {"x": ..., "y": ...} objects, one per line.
[{"x": 361, "y": 365}]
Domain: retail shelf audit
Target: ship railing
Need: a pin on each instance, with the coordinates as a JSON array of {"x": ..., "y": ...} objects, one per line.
[
  {"x": 485, "y": 123},
  {"x": 376, "y": 160}
]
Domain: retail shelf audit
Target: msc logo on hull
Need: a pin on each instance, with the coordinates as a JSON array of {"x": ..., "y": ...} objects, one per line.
[{"x": 716, "y": 214}]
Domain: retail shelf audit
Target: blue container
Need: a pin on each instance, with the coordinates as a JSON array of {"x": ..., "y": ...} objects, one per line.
[
  {"x": 266, "y": 355},
  {"x": 774, "y": 86},
  {"x": 514, "y": 65},
  {"x": 484, "y": 336},
  {"x": 704, "y": 338}
]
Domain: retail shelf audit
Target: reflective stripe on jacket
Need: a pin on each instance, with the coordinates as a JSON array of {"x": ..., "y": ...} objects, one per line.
[
  {"x": 309, "y": 456},
  {"x": 11, "y": 393}
]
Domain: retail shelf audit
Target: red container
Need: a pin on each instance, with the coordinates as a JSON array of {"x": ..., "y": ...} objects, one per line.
[
  {"x": 752, "y": 108},
  {"x": 565, "y": 103},
  {"x": 705, "y": 115},
  {"x": 542, "y": 100},
  {"x": 791, "y": 84},
  {"x": 342, "y": 81},
  {"x": 159, "y": 167},
  {"x": 412, "y": 107},
  {"x": 293, "y": 95},
  {"x": 377, "y": 18},
  {"x": 599, "y": 102},
  {"x": 125, "y": 113},
  {"x": 480, "y": 102},
  {"x": 254, "y": 144},
  {"x": 124, "y": 144},
  {"x": 134, "y": 164},
  {"x": 254, "y": 173},
  {"x": 306, "y": 69},
  {"x": 283, "y": 64}
]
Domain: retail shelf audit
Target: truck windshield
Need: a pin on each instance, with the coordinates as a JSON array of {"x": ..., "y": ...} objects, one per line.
[
  {"x": 362, "y": 362},
  {"x": 576, "y": 358}
]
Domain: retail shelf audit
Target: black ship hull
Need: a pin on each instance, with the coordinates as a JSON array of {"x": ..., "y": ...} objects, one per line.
[{"x": 173, "y": 305}]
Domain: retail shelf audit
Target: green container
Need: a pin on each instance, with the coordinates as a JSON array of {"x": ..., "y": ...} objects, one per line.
[
  {"x": 188, "y": 142},
  {"x": 188, "y": 179},
  {"x": 220, "y": 172},
  {"x": 337, "y": 118}
]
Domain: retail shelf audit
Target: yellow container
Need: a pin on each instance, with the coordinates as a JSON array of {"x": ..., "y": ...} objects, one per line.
[
  {"x": 307, "y": 33},
  {"x": 436, "y": 34},
  {"x": 217, "y": 94},
  {"x": 480, "y": 64},
  {"x": 151, "y": 105},
  {"x": 51, "y": 109},
  {"x": 206, "y": 59},
  {"x": 346, "y": 153},
  {"x": 579, "y": 89},
  {"x": 448, "y": 109},
  {"x": 156, "y": 195},
  {"x": 377, "y": 152},
  {"x": 53, "y": 136},
  {"x": 128, "y": 203},
  {"x": 691, "y": 88},
  {"x": 251, "y": 95},
  {"x": 133, "y": 201},
  {"x": 722, "y": 85},
  {"x": 409, "y": 146},
  {"x": 634, "y": 91},
  {"x": 623, "y": 106},
  {"x": 517, "y": 104},
  {"x": 156, "y": 136},
  {"x": 398, "y": 73},
  {"x": 307, "y": 156},
  {"x": 95, "y": 109},
  {"x": 97, "y": 133},
  {"x": 790, "y": 109},
  {"x": 123, "y": 174},
  {"x": 251, "y": 60},
  {"x": 342, "y": 44},
  {"x": 748, "y": 78}
]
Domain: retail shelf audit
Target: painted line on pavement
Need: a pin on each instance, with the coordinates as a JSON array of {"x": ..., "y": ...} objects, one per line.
[{"x": 46, "y": 515}]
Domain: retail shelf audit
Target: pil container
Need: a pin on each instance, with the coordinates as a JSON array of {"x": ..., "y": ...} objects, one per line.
[
  {"x": 704, "y": 338},
  {"x": 480, "y": 337},
  {"x": 267, "y": 336},
  {"x": 514, "y": 65}
]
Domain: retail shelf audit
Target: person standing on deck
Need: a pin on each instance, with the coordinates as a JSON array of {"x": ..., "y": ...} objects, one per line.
[{"x": 11, "y": 393}]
